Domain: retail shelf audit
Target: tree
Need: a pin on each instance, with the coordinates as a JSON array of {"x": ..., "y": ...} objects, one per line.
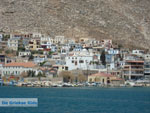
[
  {"x": 40, "y": 75},
  {"x": 31, "y": 57},
  {"x": 50, "y": 53},
  {"x": 67, "y": 76},
  {"x": 31, "y": 73},
  {"x": 81, "y": 78},
  {"x": 42, "y": 63},
  {"x": 103, "y": 59}
]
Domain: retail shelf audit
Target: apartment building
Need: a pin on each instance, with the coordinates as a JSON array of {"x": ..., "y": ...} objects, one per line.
[{"x": 133, "y": 68}]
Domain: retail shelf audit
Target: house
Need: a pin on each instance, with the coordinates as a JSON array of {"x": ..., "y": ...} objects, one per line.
[
  {"x": 46, "y": 43},
  {"x": 24, "y": 53},
  {"x": 133, "y": 68},
  {"x": 113, "y": 51},
  {"x": 16, "y": 68},
  {"x": 83, "y": 40},
  {"x": 37, "y": 35},
  {"x": 107, "y": 43},
  {"x": 21, "y": 59},
  {"x": 34, "y": 44},
  {"x": 65, "y": 49},
  {"x": 104, "y": 79},
  {"x": 53, "y": 48},
  {"x": 3, "y": 45},
  {"x": 138, "y": 52},
  {"x": 16, "y": 35},
  {"x": 78, "y": 47},
  {"x": 59, "y": 40},
  {"x": 4, "y": 59},
  {"x": 13, "y": 44},
  {"x": 38, "y": 58},
  {"x": 60, "y": 68}
]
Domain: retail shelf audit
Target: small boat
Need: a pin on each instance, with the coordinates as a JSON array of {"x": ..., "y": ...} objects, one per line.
[{"x": 138, "y": 85}]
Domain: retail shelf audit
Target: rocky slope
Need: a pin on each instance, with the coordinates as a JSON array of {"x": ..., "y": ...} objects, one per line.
[{"x": 125, "y": 21}]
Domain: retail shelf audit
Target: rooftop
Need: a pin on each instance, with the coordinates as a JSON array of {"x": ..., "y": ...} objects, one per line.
[
  {"x": 103, "y": 75},
  {"x": 21, "y": 64}
]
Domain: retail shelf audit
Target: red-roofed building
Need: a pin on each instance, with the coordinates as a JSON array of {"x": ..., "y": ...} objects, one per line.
[
  {"x": 103, "y": 78},
  {"x": 16, "y": 68}
]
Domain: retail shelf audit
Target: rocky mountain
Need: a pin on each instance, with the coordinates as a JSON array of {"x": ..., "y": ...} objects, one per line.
[{"x": 127, "y": 22}]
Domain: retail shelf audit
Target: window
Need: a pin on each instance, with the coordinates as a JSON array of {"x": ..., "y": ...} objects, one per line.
[
  {"x": 66, "y": 68},
  {"x": 76, "y": 63},
  {"x": 81, "y": 61},
  {"x": 72, "y": 61}
]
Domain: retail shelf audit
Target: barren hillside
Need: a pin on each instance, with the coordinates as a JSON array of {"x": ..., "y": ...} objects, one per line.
[{"x": 124, "y": 21}]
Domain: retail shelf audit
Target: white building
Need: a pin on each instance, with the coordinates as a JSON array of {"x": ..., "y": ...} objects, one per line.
[
  {"x": 65, "y": 49},
  {"x": 59, "y": 39},
  {"x": 113, "y": 51},
  {"x": 138, "y": 52},
  {"x": 16, "y": 68},
  {"x": 37, "y": 35},
  {"x": 46, "y": 42},
  {"x": 13, "y": 44},
  {"x": 80, "y": 60},
  {"x": 25, "y": 53},
  {"x": 39, "y": 58}
]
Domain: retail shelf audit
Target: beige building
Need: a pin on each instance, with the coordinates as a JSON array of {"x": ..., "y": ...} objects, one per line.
[
  {"x": 105, "y": 78},
  {"x": 34, "y": 44}
]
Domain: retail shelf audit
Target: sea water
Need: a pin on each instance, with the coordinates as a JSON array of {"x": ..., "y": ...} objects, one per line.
[{"x": 80, "y": 100}]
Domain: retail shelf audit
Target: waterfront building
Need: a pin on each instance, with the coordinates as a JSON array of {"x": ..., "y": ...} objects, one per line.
[
  {"x": 133, "y": 68},
  {"x": 147, "y": 70},
  {"x": 105, "y": 79},
  {"x": 79, "y": 60},
  {"x": 16, "y": 68}
]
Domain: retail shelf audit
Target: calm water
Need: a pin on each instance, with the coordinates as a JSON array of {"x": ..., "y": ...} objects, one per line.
[{"x": 80, "y": 100}]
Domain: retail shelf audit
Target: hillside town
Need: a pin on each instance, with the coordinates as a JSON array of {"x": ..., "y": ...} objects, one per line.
[{"x": 38, "y": 60}]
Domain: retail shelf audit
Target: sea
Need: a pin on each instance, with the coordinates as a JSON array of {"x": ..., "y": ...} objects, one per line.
[{"x": 80, "y": 100}]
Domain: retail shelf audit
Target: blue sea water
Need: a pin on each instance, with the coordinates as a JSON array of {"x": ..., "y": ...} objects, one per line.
[{"x": 80, "y": 100}]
